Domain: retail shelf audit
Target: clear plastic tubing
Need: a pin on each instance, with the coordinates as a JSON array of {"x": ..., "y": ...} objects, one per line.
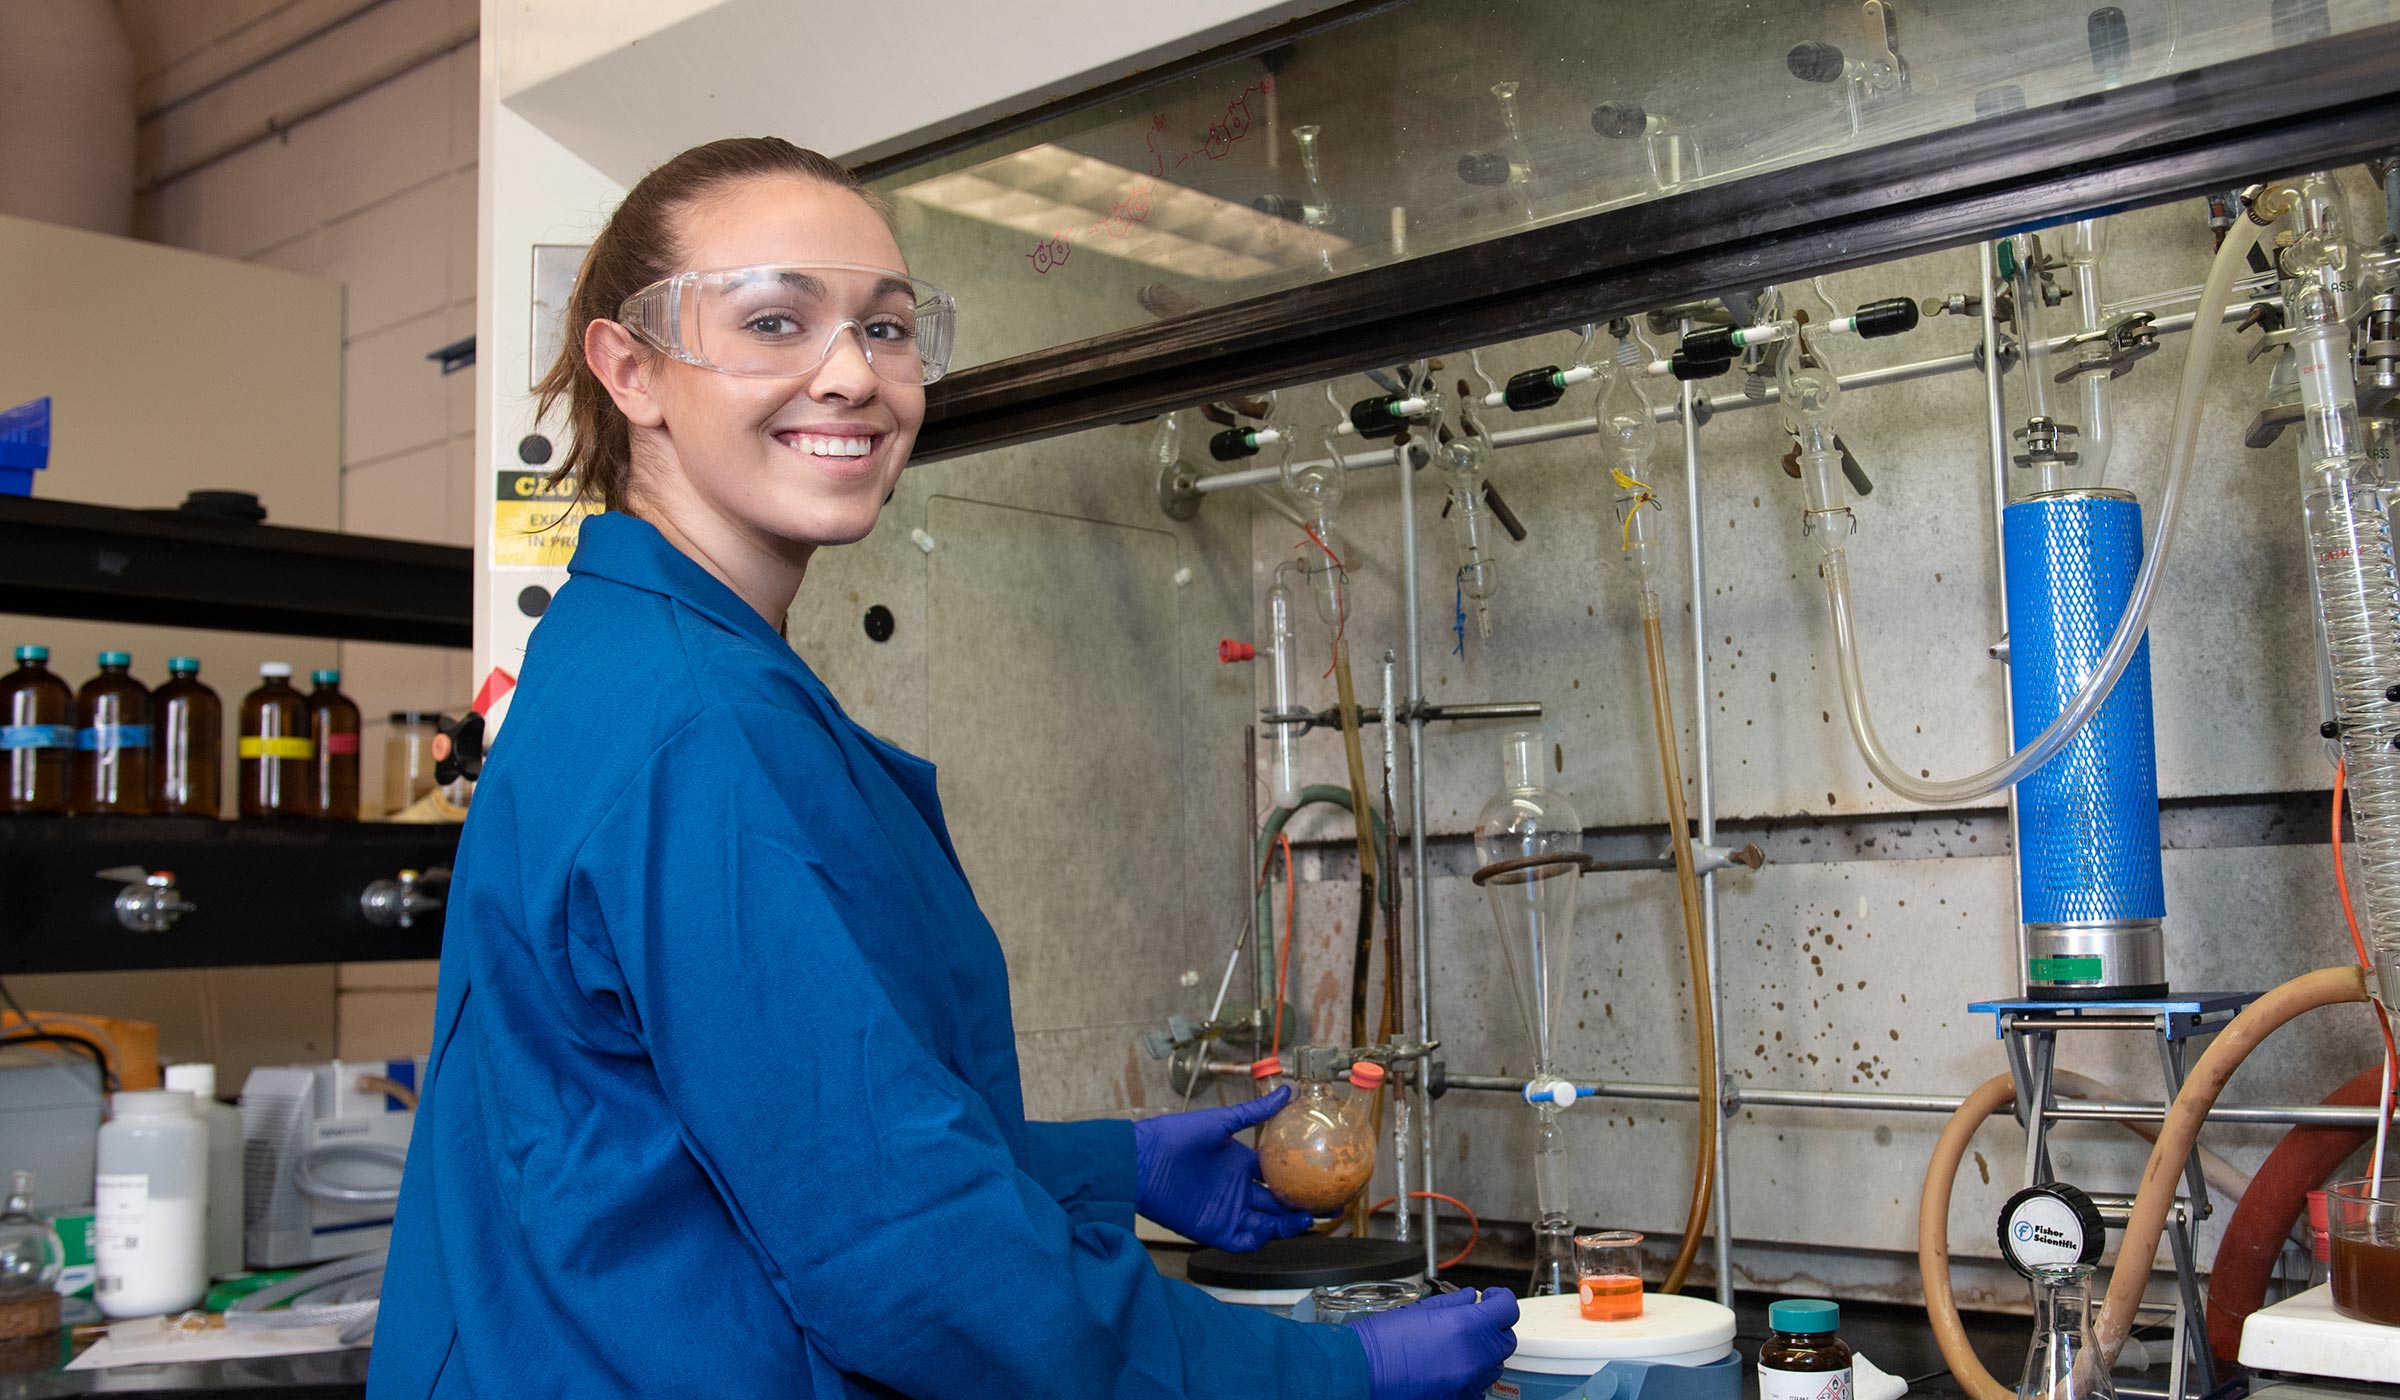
[
  {"x": 1283, "y": 692},
  {"x": 2232, "y": 260}
]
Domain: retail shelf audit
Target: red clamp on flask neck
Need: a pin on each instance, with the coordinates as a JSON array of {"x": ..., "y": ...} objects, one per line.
[
  {"x": 1230, "y": 651},
  {"x": 1267, "y": 1068},
  {"x": 1366, "y": 1074}
]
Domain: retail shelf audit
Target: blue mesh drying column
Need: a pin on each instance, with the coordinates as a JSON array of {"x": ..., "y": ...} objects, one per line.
[{"x": 2087, "y": 821}]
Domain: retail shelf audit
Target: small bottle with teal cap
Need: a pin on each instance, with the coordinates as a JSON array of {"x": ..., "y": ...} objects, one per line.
[
  {"x": 37, "y": 735},
  {"x": 333, "y": 727},
  {"x": 112, "y": 742},
  {"x": 187, "y": 743},
  {"x": 1803, "y": 1359}
]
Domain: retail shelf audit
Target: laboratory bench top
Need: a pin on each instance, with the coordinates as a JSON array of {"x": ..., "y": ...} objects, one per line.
[{"x": 1894, "y": 1337}]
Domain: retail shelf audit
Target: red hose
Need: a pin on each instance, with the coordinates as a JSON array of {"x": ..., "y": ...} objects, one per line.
[{"x": 2255, "y": 1233}]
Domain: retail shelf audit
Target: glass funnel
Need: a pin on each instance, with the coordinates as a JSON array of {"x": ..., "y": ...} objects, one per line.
[
  {"x": 2064, "y": 1363},
  {"x": 1529, "y": 850},
  {"x": 1529, "y": 853}
]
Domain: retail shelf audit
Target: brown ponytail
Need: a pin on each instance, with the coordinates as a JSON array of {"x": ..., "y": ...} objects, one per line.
[{"x": 637, "y": 248}]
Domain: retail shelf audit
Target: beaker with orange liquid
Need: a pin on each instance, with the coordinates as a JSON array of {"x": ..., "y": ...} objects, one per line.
[{"x": 1608, "y": 1275}]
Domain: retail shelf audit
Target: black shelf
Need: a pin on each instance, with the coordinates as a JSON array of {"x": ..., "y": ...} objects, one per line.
[
  {"x": 161, "y": 567},
  {"x": 268, "y": 892},
  {"x": 2331, "y": 101}
]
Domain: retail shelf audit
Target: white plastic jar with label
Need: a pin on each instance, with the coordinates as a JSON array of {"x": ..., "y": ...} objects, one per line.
[{"x": 150, "y": 1226}]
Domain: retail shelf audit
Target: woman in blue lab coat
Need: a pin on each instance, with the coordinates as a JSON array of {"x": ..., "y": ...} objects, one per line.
[{"x": 724, "y": 1095}]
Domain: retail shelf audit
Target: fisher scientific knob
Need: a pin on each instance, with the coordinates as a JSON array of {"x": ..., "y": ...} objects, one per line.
[{"x": 2050, "y": 1224}]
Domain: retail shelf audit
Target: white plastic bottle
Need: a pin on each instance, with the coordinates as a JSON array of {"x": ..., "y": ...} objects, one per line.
[
  {"x": 151, "y": 1218},
  {"x": 224, "y": 1126}
]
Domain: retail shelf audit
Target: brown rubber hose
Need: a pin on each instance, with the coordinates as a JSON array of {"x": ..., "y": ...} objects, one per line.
[
  {"x": 1670, "y": 767},
  {"x": 1933, "y": 1237},
  {"x": 2262, "y": 1219},
  {"x": 2326, "y": 987},
  {"x": 2137, "y": 1249}
]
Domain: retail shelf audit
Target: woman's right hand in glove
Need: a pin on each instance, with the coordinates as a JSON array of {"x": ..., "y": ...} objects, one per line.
[{"x": 1448, "y": 1347}]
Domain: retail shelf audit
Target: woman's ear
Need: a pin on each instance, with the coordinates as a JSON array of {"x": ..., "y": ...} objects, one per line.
[{"x": 622, "y": 369}]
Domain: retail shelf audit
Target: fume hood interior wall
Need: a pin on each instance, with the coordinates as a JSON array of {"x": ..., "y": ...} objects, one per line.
[{"x": 1849, "y": 960}]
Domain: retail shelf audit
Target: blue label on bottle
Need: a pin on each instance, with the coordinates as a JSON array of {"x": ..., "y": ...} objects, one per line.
[
  {"x": 113, "y": 736},
  {"x": 37, "y": 736}
]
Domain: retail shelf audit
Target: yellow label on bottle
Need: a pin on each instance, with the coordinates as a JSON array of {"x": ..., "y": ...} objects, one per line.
[{"x": 253, "y": 746}]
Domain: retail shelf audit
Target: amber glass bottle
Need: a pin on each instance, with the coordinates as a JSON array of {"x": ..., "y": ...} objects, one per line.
[
  {"x": 187, "y": 741},
  {"x": 275, "y": 748},
  {"x": 333, "y": 768},
  {"x": 112, "y": 742},
  {"x": 1803, "y": 1359},
  {"x": 37, "y": 734}
]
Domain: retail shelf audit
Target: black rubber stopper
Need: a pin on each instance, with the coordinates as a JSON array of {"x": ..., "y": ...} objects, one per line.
[
  {"x": 1708, "y": 343},
  {"x": 534, "y": 601},
  {"x": 1890, "y": 316},
  {"x": 1684, "y": 367},
  {"x": 2111, "y": 41},
  {"x": 1814, "y": 61},
  {"x": 1311, "y": 1261},
  {"x": 224, "y": 507},
  {"x": 1373, "y": 418},
  {"x": 533, "y": 449},
  {"x": 1281, "y": 206},
  {"x": 1620, "y": 121},
  {"x": 1483, "y": 168},
  {"x": 1232, "y": 445},
  {"x": 1532, "y": 389},
  {"x": 879, "y": 623}
]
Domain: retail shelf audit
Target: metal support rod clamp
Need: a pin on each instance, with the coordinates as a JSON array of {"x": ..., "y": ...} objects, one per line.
[{"x": 1705, "y": 810}]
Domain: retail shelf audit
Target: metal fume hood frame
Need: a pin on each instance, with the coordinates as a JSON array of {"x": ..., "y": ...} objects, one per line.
[{"x": 2333, "y": 100}]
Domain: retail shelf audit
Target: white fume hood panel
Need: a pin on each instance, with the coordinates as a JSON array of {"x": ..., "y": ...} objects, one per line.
[{"x": 624, "y": 91}]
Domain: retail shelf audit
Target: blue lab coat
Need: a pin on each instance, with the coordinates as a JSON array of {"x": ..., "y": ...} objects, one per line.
[{"x": 724, "y": 1095}]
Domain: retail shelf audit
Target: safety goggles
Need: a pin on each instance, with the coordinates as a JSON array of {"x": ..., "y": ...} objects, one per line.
[{"x": 780, "y": 320}]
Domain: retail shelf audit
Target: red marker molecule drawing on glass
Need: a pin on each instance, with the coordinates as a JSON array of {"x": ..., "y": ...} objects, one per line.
[{"x": 1134, "y": 209}]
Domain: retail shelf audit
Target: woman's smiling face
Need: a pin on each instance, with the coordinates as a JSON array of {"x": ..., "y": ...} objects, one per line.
[{"x": 775, "y": 463}]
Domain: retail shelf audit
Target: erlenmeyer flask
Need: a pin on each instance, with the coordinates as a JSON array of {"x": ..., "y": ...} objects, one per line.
[
  {"x": 2064, "y": 1363},
  {"x": 1533, "y": 903}
]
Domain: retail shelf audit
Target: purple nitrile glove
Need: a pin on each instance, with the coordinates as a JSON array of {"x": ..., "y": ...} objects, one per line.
[
  {"x": 1198, "y": 1179},
  {"x": 1448, "y": 1347}
]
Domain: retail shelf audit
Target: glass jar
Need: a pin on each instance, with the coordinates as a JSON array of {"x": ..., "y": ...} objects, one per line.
[
  {"x": 30, "y": 1253},
  {"x": 1319, "y": 1151},
  {"x": 2362, "y": 1223},
  {"x": 1803, "y": 1359},
  {"x": 408, "y": 757}
]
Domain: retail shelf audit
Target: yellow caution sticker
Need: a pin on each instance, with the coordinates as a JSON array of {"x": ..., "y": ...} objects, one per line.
[{"x": 534, "y": 523}]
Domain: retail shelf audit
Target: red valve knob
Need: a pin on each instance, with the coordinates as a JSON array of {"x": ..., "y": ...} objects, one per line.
[{"x": 1230, "y": 651}]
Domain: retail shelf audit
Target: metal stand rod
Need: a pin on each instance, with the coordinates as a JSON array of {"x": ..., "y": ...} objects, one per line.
[
  {"x": 1414, "y": 663},
  {"x": 1586, "y": 427},
  {"x": 1996, "y": 424},
  {"x": 2070, "y": 1110},
  {"x": 1705, "y": 810}
]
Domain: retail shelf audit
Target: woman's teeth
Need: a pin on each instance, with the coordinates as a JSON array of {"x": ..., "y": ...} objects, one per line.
[{"x": 817, "y": 446}]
